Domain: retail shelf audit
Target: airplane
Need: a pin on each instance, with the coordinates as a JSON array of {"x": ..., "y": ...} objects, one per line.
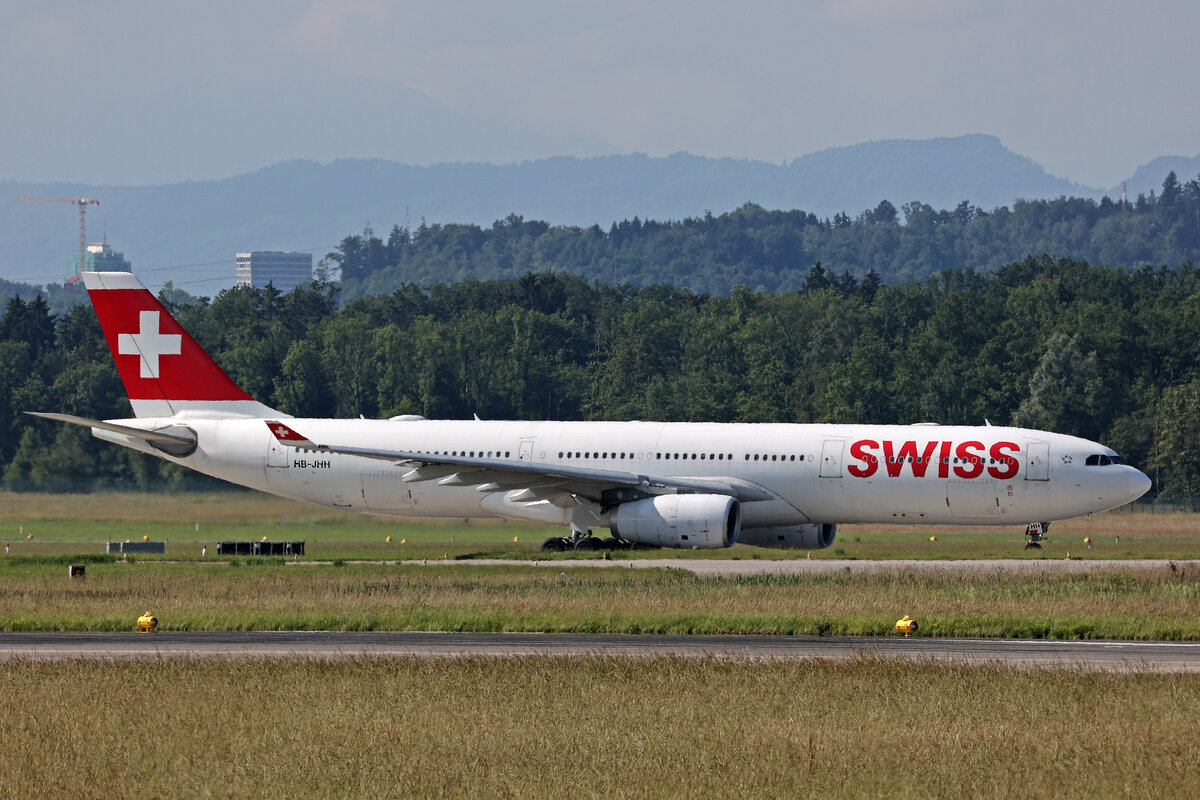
[{"x": 666, "y": 484}]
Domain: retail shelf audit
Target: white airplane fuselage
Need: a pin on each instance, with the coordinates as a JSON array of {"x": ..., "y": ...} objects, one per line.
[{"x": 918, "y": 474}]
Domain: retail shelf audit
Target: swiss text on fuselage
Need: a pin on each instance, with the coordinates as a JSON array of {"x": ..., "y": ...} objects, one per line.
[{"x": 969, "y": 459}]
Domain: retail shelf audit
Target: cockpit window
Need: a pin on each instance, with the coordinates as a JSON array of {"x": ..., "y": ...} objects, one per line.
[
  {"x": 1092, "y": 460},
  {"x": 1102, "y": 460}
]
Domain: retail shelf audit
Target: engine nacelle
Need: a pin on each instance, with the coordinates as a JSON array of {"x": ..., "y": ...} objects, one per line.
[
  {"x": 679, "y": 520},
  {"x": 810, "y": 536}
]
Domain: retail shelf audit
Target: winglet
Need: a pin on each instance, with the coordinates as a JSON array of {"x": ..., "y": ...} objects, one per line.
[{"x": 289, "y": 437}]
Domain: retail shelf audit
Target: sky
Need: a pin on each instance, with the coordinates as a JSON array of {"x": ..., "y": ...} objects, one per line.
[{"x": 141, "y": 93}]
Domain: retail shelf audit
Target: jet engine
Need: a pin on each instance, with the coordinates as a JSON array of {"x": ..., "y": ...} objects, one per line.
[
  {"x": 809, "y": 536},
  {"x": 679, "y": 520}
]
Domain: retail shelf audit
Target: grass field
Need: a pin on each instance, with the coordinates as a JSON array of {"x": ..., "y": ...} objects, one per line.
[
  {"x": 274, "y": 594},
  {"x": 65, "y": 524},
  {"x": 326, "y": 593},
  {"x": 533, "y": 728}
]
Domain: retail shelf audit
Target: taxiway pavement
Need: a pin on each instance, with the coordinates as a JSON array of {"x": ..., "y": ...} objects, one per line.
[
  {"x": 1084, "y": 655},
  {"x": 731, "y": 567}
]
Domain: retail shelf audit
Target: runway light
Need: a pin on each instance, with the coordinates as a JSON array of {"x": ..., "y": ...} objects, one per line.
[
  {"x": 388, "y": 540},
  {"x": 147, "y": 622},
  {"x": 145, "y": 538},
  {"x": 403, "y": 541},
  {"x": 933, "y": 538},
  {"x": 264, "y": 538},
  {"x": 906, "y": 626},
  {"x": 516, "y": 538}
]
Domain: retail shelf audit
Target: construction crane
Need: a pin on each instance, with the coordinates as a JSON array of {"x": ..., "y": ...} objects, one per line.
[{"x": 81, "y": 203}]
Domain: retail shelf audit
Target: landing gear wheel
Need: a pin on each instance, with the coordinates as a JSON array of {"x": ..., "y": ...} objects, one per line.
[
  {"x": 1035, "y": 534},
  {"x": 555, "y": 544},
  {"x": 588, "y": 543}
]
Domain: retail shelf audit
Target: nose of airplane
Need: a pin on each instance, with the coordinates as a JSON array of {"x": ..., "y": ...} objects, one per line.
[{"x": 1138, "y": 483}]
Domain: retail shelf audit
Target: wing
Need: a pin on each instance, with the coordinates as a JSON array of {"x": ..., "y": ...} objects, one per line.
[{"x": 541, "y": 481}]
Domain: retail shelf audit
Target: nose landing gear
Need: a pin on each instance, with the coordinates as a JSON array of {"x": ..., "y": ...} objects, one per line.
[{"x": 1035, "y": 534}]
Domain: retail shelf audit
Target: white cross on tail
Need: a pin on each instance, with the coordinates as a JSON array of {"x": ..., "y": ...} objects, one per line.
[{"x": 149, "y": 343}]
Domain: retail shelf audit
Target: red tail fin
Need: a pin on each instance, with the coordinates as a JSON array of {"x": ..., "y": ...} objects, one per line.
[{"x": 164, "y": 370}]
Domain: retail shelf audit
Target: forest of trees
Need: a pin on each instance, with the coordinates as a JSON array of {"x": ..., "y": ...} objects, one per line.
[
  {"x": 772, "y": 251},
  {"x": 1112, "y": 354}
]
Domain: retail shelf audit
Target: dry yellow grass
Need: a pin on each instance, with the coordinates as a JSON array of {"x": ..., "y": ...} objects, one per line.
[
  {"x": 533, "y": 728},
  {"x": 1133, "y": 602}
]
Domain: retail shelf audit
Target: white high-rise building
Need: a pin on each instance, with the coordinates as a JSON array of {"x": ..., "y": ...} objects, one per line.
[{"x": 284, "y": 270}]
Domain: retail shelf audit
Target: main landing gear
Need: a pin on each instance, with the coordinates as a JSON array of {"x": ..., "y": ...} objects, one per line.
[
  {"x": 583, "y": 540},
  {"x": 1035, "y": 534}
]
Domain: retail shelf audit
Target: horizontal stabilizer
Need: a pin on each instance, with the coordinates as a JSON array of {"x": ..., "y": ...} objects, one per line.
[{"x": 180, "y": 442}]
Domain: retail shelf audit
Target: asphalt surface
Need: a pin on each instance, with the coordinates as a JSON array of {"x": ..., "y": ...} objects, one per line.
[
  {"x": 729, "y": 567},
  {"x": 1083, "y": 655}
]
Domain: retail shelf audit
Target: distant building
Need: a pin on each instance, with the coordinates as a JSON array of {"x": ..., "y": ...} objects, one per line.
[
  {"x": 284, "y": 270},
  {"x": 101, "y": 258}
]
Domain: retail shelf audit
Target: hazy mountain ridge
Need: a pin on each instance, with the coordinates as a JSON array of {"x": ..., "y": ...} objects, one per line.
[
  {"x": 1149, "y": 177},
  {"x": 189, "y": 232}
]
